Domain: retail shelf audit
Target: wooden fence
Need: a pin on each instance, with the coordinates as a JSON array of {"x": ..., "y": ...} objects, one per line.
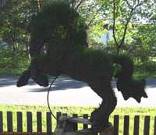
[{"x": 10, "y": 130}]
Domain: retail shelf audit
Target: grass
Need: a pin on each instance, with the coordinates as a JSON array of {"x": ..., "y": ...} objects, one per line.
[{"x": 142, "y": 112}]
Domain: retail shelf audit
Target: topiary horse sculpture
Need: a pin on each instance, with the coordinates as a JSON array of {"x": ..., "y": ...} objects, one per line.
[{"x": 58, "y": 46}]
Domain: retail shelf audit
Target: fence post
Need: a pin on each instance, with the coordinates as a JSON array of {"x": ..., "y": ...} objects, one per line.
[
  {"x": 126, "y": 125},
  {"x": 146, "y": 125},
  {"x": 136, "y": 125},
  {"x": 1, "y": 122},
  {"x": 155, "y": 125},
  {"x": 58, "y": 115},
  {"x": 116, "y": 124},
  {"x": 39, "y": 122},
  {"x": 49, "y": 123},
  {"x": 19, "y": 123},
  {"x": 29, "y": 122},
  {"x": 85, "y": 116},
  {"x": 9, "y": 122},
  {"x": 75, "y": 125}
]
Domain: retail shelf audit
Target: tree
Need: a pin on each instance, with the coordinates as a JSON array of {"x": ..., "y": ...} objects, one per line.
[
  {"x": 118, "y": 11},
  {"x": 14, "y": 23}
]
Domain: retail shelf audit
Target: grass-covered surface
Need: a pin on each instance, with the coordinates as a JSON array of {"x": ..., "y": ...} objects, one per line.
[{"x": 80, "y": 111}]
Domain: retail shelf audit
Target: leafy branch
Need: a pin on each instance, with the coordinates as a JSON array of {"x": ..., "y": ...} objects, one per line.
[{"x": 132, "y": 7}]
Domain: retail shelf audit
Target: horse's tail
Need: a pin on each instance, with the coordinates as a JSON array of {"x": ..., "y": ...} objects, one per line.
[
  {"x": 127, "y": 66},
  {"x": 125, "y": 82}
]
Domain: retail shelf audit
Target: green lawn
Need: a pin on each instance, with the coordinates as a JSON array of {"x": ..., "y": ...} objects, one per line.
[{"x": 80, "y": 111}]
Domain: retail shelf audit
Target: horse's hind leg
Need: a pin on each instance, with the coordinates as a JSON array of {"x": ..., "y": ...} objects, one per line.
[{"x": 100, "y": 116}]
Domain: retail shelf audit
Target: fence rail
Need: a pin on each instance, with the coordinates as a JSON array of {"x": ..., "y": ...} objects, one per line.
[{"x": 10, "y": 124}]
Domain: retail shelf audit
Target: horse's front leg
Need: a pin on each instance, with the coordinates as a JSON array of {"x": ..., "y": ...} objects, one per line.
[
  {"x": 100, "y": 116},
  {"x": 23, "y": 79}
]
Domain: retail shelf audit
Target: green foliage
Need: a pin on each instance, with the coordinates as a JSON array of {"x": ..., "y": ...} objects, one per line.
[
  {"x": 12, "y": 63},
  {"x": 15, "y": 16},
  {"x": 126, "y": 10},
  {"x": 145, "y": 39},
  {"x": 14, "y": 21},
  {"x": 139, "y": 42},
  {"x": 145, "y": 70}
]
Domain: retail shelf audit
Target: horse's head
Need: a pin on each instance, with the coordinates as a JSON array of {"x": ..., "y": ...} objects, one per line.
[{"x": 132, "y": 88}]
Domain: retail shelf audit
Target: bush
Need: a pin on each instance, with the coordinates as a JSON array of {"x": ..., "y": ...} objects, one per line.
[
  {"x": 146, "y": 70},
  {"x": 11, "y": 62}
]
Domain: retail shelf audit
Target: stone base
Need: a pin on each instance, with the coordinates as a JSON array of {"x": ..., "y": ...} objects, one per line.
[
  {"x": 65, "y": 127},
  {"x": 107, "y": 131}
]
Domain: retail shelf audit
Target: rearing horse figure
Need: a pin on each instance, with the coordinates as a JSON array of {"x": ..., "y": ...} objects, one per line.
[{"x": 58, "y": 46}]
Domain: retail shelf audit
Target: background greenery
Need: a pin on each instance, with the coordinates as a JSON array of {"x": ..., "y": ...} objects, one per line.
[{"x": 139, "y": 39}]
